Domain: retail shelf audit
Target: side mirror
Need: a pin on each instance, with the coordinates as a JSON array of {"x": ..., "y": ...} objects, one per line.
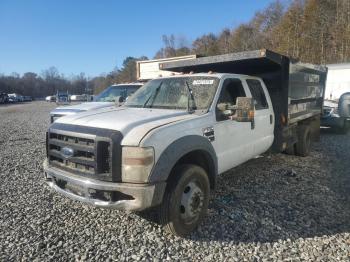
[
  {"x": 244, "y": 110},
  {"x": 119, "y": 100}
]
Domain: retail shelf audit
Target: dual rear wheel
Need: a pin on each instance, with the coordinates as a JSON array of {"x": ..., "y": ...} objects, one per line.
[{"x": 303, "y": 144}]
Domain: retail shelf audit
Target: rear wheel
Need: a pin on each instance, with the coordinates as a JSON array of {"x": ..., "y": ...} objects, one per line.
[
  {"x": 186, "y": 200},
  {"x": 290, "y": 150},
  {"x": 302, "y": 147}
]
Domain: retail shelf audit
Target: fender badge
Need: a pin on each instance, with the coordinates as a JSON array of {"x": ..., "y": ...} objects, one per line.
[{"x": 208, "y": 132}]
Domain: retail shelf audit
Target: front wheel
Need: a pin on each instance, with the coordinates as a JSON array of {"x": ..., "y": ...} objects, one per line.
[{"x": 186, "y": 200}]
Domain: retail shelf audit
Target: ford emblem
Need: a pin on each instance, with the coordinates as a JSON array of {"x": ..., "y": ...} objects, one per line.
[{"x": 67, "y": 152}]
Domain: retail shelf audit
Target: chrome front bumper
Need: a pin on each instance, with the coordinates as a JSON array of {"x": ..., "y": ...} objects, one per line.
[{"x": 143, "y": 195}]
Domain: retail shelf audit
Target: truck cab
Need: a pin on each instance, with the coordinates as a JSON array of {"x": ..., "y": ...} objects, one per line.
[
  {"x": 62, "y": 98},
  {"x": 159, "y": 129}
]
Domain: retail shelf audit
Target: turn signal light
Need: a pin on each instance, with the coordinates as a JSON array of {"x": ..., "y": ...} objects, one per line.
[{"x": 137, "y": 163}]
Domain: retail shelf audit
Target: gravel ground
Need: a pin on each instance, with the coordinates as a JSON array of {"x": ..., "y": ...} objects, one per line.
[{"x": 276, "y": 207}]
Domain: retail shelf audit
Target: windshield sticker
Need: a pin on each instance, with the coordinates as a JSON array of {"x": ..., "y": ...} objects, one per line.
[{"x": 203, "y": 82}]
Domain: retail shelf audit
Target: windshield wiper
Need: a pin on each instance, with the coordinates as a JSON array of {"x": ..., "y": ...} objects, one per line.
[
  {"x": 191, "y": 104},
  {"x": 153, "y": 95}
]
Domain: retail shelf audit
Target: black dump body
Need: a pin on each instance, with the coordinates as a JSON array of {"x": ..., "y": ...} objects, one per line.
[{"x": 296, "y": 89}]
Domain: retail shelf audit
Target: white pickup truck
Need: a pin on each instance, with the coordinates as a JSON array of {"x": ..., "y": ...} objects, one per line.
[
  {"x": 108, "y": 97},
  {"x": 166, "y": 146}
]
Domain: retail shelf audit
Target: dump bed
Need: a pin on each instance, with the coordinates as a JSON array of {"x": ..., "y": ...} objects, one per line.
[
  {"x": 149, "y": 69},
  {"x": 296, "y": 89}
]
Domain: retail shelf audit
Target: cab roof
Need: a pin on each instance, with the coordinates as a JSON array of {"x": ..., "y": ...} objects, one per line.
[
  {"x": 128, "y": 84},
  {"x": 207, "y": 74}
]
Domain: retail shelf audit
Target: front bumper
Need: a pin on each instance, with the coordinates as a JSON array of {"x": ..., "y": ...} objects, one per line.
[
  {"x": 133, "y": 197},
  {"x": 333, "y": 121}
]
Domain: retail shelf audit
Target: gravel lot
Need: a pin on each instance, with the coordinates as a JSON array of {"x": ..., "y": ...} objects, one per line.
[{"x": 276, "y": 207}]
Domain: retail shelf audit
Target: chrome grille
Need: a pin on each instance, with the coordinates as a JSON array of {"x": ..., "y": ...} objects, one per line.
[
  {"x": 85, "y": 151},
  {"x": 83, "y": 160}
]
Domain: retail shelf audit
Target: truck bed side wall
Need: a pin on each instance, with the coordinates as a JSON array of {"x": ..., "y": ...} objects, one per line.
[{"x": 306, "y": 92}]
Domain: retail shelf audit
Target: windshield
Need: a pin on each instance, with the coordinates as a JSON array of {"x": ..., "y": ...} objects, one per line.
[
  {"x": 174, "y": 93},
  {"x": 110, "y": 94}
]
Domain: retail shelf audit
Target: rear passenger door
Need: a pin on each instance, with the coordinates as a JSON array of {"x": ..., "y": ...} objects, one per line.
[{"x": 264, "y": 118}]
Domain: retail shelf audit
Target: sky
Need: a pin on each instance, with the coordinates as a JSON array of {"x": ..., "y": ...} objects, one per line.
[{"x": 96, "y": 36}]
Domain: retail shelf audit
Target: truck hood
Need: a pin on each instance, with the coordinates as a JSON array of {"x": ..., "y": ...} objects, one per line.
[
  {"x": 125, "y": 119},
  {"x": 72, "y": 109}
]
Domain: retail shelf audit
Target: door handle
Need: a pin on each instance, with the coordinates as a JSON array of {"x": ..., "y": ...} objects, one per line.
[{"x": 271, "y": 119}]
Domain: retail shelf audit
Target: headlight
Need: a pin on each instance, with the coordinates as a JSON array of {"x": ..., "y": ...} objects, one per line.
[{"x": 137, "y": 163}]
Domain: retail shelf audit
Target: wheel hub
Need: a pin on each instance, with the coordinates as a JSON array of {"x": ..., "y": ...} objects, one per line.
[{"x": 191, "y": 202}]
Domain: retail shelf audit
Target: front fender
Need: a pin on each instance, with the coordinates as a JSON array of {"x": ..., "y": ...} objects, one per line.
[{"x": 176, "y": 150}]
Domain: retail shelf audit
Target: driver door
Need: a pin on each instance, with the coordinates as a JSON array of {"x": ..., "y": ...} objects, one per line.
[{"x": 232, "y": 139}]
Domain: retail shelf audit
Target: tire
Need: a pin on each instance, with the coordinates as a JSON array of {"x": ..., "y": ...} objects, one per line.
[
  {"x": 187, "y": 189},
  {"x": 302, "y": 147},
  {"x": 290, "y": 150},
  {"x": 344, "y": 129}
]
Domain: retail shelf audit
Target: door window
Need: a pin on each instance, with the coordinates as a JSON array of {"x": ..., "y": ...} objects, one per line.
[
  {"x": 231, "y": 89},
  {"x": 258, "y": 94}
]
